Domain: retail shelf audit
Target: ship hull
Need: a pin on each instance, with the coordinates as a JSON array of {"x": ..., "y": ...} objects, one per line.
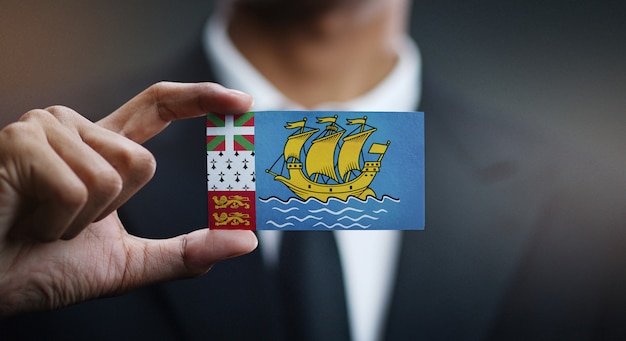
[{"x": 304, "y": 188}]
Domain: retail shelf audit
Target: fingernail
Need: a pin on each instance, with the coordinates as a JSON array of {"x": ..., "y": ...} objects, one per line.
[
  {"x": 242, "y": 95},
  {"x": 236, "y": 92}
]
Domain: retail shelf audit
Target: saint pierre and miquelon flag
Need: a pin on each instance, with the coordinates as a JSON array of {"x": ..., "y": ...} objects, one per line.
[{"x": 316, "y": 170}]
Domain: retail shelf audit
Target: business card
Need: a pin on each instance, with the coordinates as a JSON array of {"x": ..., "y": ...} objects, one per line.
[{"x": 316, "y": 170}]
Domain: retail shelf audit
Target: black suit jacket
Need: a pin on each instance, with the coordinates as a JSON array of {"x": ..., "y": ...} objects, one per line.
[{"x": 523, "y": 240}]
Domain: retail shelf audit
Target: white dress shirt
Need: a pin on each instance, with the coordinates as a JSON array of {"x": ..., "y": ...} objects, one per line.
[{"x": 368, "y": 258}]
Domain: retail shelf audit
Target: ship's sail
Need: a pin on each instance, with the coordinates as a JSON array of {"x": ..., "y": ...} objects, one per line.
[
  {"x": 321, "y": 156},
  {"x": 350, "y": 152},
  {"x": 294, "y": 144}
]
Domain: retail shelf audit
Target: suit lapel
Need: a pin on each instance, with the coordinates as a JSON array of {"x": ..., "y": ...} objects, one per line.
[{"x": 452, "y": 276}]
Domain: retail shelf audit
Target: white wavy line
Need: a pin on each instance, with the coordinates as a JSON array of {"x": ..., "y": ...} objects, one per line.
[
  {"x": 271, "y": 222},
  {"x": 365, "y": 216},
  {"x": 335, "y": 213},
  {"x": 285, "y": 211},
  {"x": 342, "y": 226},
  {"x": 305, "y": 218},
  {"x": 382, "y": 210}
]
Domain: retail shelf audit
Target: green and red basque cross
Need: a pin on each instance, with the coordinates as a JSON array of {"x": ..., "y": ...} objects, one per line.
[{"x": 230, "y": 132}]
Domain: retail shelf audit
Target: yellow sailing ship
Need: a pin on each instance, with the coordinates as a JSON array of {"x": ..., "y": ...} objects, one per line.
[{"x": 320, "y": 172}]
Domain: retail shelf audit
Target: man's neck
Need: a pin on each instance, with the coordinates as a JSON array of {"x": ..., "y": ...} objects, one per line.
[{"x": 335, "y": 57}]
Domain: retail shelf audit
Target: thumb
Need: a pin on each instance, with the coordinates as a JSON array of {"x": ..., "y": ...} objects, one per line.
[
  {"x": 188, "y": 255},
  {"x": 203, "y": 248}
]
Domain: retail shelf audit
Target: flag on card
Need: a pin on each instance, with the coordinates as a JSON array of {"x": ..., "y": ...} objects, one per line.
[{"x": 231, "y": 175}]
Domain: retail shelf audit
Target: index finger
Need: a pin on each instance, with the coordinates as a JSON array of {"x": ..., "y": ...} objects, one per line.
[{"x": 152, "y": 110}]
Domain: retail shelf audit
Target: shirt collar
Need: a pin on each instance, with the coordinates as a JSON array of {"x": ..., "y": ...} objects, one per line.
[{"x": 399, "y": 91}]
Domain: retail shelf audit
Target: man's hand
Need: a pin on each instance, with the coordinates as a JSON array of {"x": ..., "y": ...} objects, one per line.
[{"x": 62, "y": 179}]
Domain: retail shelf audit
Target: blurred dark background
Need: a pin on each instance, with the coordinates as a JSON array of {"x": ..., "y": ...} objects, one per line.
[
  {"x": 560, "y": 64},
  {"x": 56, "y": 52}
]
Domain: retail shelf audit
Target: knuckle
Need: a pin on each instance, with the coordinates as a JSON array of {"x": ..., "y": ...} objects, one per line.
[
  {"x": 159, "y": 85},
  {"x": 21, "y": 137},
  {"x": 156, "y": 92},
  {"x": 73, "y": 196},
  {"x": 58, "y": 110},
  {"x": 144, "y": 164},
  {"x": 107, "y": 183},
  {"x": 51, "y": 115},
  {"x": 137, "y": 162},
  {"x": 14, "y": 130},
  {"x": 62, "y": 114},
  {"x": 38, "y": 115}
]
